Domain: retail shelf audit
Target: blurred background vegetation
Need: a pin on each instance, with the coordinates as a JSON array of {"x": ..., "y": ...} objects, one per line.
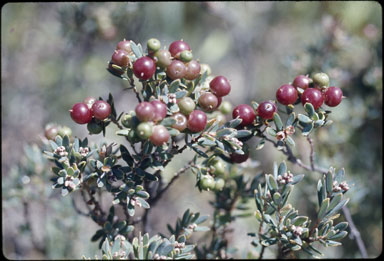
[{"x": 55, "y": 54}]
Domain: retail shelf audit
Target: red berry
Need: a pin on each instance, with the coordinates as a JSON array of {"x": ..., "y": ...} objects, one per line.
[
  {"x": 120, "y": 58},
  {"x": 101, "y": 109},
  {"x": 89, "y": 101},
  {"x": 181, "y": 121},
  {"x": 160, "y": 135},
  {"x": 239, "y": 158},
  {"x": 160, "y": 110},
  {"x": 333, "y": 96},
  {"x": 145, "y": 111},
  {"x": 286, "y": 94},
  {"x": 177, "y": 47},
  {"x": 80, "y": 113},
  {"x": 144, "y": 68},
  {"x": 313, "y": 96},
  {"x": 197, "y": 121},
  {"x": 176, "y": 70},
  {"x": 124, "y": 45},
  {"x": 208, "y": 101},
  {"x": 245, "y": 113},
  {"x": 266, "y": 110},
  {"x": 193, "y": 70},
  {"x": 220, "y": 86},
  {"x": 301, "y": 81}
]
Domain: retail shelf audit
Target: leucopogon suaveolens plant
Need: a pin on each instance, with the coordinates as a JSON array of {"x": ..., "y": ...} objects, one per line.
[{"x": 181, "y": 106}]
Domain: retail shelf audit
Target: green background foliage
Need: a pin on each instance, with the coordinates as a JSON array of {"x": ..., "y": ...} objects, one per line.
[{"x": 55, "y": 54}]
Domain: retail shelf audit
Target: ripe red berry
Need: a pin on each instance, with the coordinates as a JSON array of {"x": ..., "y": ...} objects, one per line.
[
  {"x": 120, "y": 58},
  {"x": 176, "y": 70},
  {"x": 333, "y": 96},
  {"x": 160, "y": 110},
  {"x": 101, "y": 109},
  {"x": 145, "y": 111},
  {"x": 181, "y": 121},
  {"x": 176, "y": 47},
  {"x": 313, "y": 96},
  {"x": 266, "y": 110},
  {"x": 197, "y": 121},
  {"x": 245, "y": 113},
  {"x": 80, "y": 113},
  {"x": 220, "y": 86},
  {"x": 239, "y": 158},
  {"x": 286, "y": 94},
  {"x": 160, "y": 135},
  {"x": 144, "y": 68},
  {"x": 193, "y": 70},
  {"x": 124, "y": 45},
  {"x": 301, "y": 81},
  {"x": 208, "y": 101}
]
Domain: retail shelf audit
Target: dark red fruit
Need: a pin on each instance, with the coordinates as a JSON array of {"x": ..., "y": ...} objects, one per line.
[
  {"x": 160, "y": 110},
  {"x": 301, "y": 81},
  {"x": 266, "y": 110},
  {"x": 177, "y": 47},
  {"x": 313, "y": 96},
  {"x": 144, "y": 68},
  {"x": 333, "y": 96},
  {"x": 197, "y": 121},
  {"x": 124, "y": 45},
  {"x": 239, "y": 158},
  {"x": 101, "y": 110},
  {"x": 181, "y": 121},
  {"x": 286, "y": 94},
  {"x": 176, "y": 70},
  {"x": 245, "y": 113},
  {"x": 160, "y": 135},
  {"x": 208, "y": 101},
  {"x": 145, "y": 111},
  {"x": 120, "y": 58},
  {"x": 193, "y": 70},
  {"x": 80, "y": 113},
  {"x": 220, "y": 86}
]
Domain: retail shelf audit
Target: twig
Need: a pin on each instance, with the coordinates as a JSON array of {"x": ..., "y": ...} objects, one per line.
[
  {"x": 78, "y": 210},
  {"x": 355, "y": 232},
  {"x": 311, "y": 154}
]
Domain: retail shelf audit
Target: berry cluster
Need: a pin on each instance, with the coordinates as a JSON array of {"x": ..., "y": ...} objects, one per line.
[
  {"x": 314, "y": 91},
  {"x": 52, "y": 130},
  {"x": 91, "y": 112}
]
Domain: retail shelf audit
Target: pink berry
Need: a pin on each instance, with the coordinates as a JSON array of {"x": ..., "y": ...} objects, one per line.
[
  {"x": 301, "y": 81},
  {"x": 176, "y": 47},
  {"x": 101, "y": 109},
  {"x": 145, "y": 111},
  {"x": 160, "y": 110},
  {"x": 197, "y": 121},
  {"x": 160, "y": 135}
]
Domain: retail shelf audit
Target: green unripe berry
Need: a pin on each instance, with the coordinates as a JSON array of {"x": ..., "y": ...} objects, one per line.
[
  {"x": 321, "y": 80},
  {"x": 218, "y": 167},
  {"x": 163, "y": 58},
  {"x": 186, "y": 105},
  {"x": 144, "y": 130},
  {"x": 153, "y": 45},
  {"x": 225, "y": 107},
  {"x": 207, "y": 183},
  {"x": 94, "y": 128},
  {"x": 129, "y": 120},
  {"x": 132, "y": 137},
  {"x": 186, "y": 56},
  {"x": 64, "y": 130},
  {"x": 219, "y": 184}
]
